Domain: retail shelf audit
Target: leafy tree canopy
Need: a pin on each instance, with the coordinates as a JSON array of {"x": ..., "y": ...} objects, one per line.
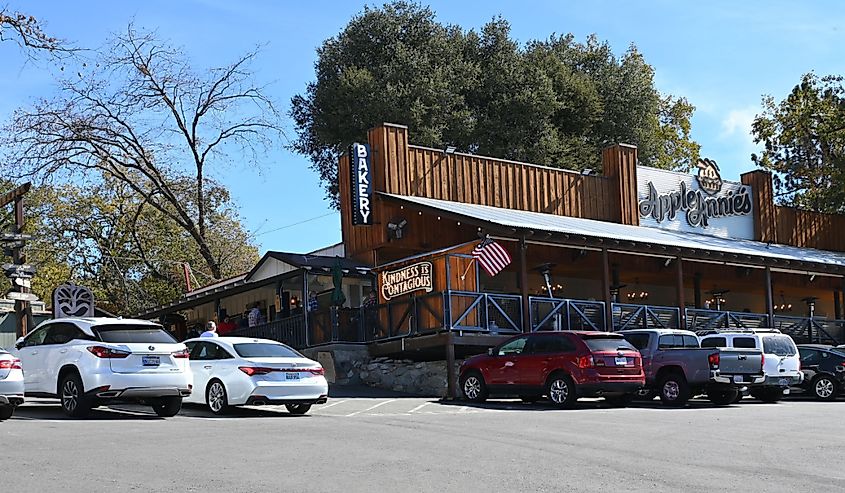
[
  {"x": 555, "y": 101},
  {"x": 804, "y": 144}
]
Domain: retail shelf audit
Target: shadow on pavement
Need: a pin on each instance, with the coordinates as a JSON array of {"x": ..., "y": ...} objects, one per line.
[
  {"x": 200, "y": 411},
  {"x": 351, "y": 391},
  {"x": 48, "y": 411}
]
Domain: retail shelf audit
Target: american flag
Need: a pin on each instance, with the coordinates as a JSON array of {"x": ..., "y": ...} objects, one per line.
[{"x": 492, "y": 256}]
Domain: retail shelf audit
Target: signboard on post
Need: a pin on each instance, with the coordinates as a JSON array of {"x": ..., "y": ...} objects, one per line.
[
  {"x": 361, "y": 182},
  {"x": 70, "y": 300},
  {"x": 414, "y": 277},
  {"x": 14, "y": 295}
]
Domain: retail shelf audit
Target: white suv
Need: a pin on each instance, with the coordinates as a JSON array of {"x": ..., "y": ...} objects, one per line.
[
  {"x": 87, "y": 362},
  {"x": 781, "y": 362}
]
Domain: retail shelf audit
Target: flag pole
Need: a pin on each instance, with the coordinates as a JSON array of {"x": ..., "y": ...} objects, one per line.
[{"x": 464, "y": 275}]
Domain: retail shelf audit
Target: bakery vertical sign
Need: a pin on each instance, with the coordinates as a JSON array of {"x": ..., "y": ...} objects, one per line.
[
  {"x": 361, "y": 171},
  {"x": 702, "y": 203}
]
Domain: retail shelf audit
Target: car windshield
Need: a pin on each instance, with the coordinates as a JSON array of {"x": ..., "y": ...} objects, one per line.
[
  {"x": 127, "y": 334},
  {"x": 265, "y": 350},
  {"x": 605, "y": 343},
  {"x": 779, "y": 345}
]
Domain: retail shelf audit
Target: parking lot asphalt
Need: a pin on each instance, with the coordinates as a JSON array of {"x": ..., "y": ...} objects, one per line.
[{"x": 399, "y": 443}]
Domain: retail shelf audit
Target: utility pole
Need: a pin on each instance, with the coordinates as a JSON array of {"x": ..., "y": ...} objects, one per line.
[{"x": 19, "y": 272}]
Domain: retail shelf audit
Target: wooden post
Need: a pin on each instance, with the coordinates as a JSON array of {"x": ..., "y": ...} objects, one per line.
[
  {"x": 682, "y": 315},
  {"x": 605, "y": 286},
  {"x": 23, "y": 310},
  {"x": 837, "y": 305},
  {"x": 696, "y": 289},
  {"x": 451, "y": 388},
  {"x": 523, "y": 285},
  {"x": 770, "y": 307}
]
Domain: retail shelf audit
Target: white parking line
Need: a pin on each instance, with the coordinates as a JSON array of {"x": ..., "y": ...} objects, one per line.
[
  {"x": 332, "y": 404},
  {"x": 419, "y": 407},
  {"x": 371, "y": 408}
]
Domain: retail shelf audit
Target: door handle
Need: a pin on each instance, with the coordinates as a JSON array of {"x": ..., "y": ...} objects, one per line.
[
  {"x": 508, "y": 363},
  {"x": 63, "y": 351},
  {"x": 34, "y": 352},
  {"x": 207, "y": 367}
]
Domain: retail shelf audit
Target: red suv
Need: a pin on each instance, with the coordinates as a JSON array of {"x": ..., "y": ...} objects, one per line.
[{"x": 561, "y": 365}]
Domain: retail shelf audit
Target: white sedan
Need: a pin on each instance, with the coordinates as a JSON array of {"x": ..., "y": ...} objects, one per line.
[{"x": 237, "y": 371}]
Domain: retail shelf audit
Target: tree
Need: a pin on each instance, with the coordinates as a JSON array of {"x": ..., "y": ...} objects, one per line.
[
  {"x": 555, "y": 102},
  {"x": 27, "y": 32},
  {"x": 143, "y": 118},
  {"x": 130, "y": 254},
  {"x": 804, "y": 144}
]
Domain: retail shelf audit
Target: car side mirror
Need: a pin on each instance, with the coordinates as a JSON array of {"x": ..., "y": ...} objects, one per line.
[
  {"x": 491, "y": 351},
  {"x": 19, "y": 343}
]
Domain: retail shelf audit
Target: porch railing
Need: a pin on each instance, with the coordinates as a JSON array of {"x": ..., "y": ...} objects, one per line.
[
  {"x": 811, "y": 331},
  {"x": 700, "y": 320},
  {"x": 565, "y": 314},
  {"x": 488, "y": 312},
  {"x": 290, "y": 331},
  {"x": 629, "y": 316}
]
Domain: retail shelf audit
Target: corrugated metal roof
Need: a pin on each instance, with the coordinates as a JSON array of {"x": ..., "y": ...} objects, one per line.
[{"x": 600, "y": 229}]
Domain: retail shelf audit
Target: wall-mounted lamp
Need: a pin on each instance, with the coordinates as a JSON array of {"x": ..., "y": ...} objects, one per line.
[
  {"x": 812, "y": 277},
  {"x": 667, "y": 262},
  {"x": 450, "y": 149},
  {"x": 587, "y": 171}
]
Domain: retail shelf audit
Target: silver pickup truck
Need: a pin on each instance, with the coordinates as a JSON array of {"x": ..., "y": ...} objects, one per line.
[{"x": 677, "y": 368}]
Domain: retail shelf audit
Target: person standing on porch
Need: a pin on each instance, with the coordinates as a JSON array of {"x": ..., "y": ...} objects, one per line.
[
  {"x": 313, "y": 304},
  {"x": 254, "y": 317},
  {"x": 210, "y": 329}
]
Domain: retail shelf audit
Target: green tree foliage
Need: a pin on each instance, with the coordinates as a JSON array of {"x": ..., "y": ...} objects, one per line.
[
  {"x": 129, "y": 253},
  {"x": 804, "y": 144},
  {"x": 555, "y": 102}
]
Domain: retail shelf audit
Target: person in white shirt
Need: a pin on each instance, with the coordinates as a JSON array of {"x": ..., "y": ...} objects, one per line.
[
  {"x": 254, "y": 317},
  {"x": 210, "y": 329}
]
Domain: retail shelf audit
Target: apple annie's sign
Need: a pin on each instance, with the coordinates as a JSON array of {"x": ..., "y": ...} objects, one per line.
[{"x": 708, "y": 204}]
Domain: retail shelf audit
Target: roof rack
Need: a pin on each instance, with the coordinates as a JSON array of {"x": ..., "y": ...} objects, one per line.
[{"x": 732, "y": 330}]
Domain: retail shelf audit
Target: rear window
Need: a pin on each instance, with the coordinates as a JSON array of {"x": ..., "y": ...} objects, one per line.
[
  {"x": 639, "y": 341},
  {"x": 127, "y": 334},
  {"x": 779, "y": 345},
  {"x": 677, "y": 341},
  {"x": 714, "y": 342},
  {"x": 606, "y": 343},
  {"x": 745, "y": 342},
  {"x": 264, "y": 350}
]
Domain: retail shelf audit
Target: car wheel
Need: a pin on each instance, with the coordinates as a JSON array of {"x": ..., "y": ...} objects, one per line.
[
  {"x": 825, "y": 388},
  {"x": 561, "y": 390},
  {"x": 167, "y": 406},
  {"x": 769, "y": 395},
  {"x": 216, "y": 398},
  {"x": 473, "y": 387},
  {"x": 298, "y": 408},
  {"x": 674, "y": 390},
  {"x": 6, "y": 412},
  {"x": 74, "y": 402},
  {"x": 623, "y": 400},
  {"x": 529, "y": 399},
  {"x": 723, "y": 397}
]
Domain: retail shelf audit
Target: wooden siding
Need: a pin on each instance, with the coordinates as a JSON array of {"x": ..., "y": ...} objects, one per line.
[
  {"x": 810, "y": 229},
  {"x": 765, "y": 214},
  {"x": 619, "y": 164}
]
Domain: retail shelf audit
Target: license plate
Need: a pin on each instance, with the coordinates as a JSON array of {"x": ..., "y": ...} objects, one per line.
[
  {"x": 737, "y": 378},
  {"x": 291, "y": 376},
  {"x": 621, "y": 361},
  {"x": 150, "y": 360},
  {"x": 783, "y": 382}
]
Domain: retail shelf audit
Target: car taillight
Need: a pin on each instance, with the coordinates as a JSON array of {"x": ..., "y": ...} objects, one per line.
[
  {"x": 762, "y": 360},
  {"x": 181, "y": 354},
  {"x": 714, "y": 360},
  {"x": 10, "y": 364},
  {"x": 255, "y": 370},
  {"x": 585, "y": 362},
  {"x": 317, "y": 371},
  {"x": 105, "y": 352}
]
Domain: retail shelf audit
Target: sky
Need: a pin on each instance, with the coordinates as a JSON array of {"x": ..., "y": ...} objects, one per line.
[{"x": 723, "y": 56}]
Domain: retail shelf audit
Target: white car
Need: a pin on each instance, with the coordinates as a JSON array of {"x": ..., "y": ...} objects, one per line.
[
  {"x": 781, "y": 362},
  {"x": 87, "y": 362},
  {"x": 11, "y": 384},
  {"x": 236, "y": 371}
]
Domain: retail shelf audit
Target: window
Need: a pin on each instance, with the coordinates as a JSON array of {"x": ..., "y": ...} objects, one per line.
[
  {"x": 607, "y": 343},
  {"x": 513, "y": 347},
  {"x": 639, "y": 341},
  {"x": 780, "y": 345},
  {"x": 199, "y": 351},
  {"x": 714, "y": 342},
  {"x": 690, "y": 342},
  {"x": 125, "y": 333},
  {"x": 666, "y": 342},
  {"x": 809, "y": 357},
  {"x": 62, "y": 333},
  {"x": 37, "y": 337},
  {"x": 546, "y": 344},
  {"x": 265, "y": 350},
  {"x": 218, "y": 352},
  {"x": 745, "y": 342}
]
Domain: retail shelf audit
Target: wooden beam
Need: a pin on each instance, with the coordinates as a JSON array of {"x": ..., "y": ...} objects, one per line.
[
  {"x": 523, "y": 285},
  {"x": 682, "y": 316},
  {"x": 770, "y": 307},
  {"x": 605, "y": 286},
  {"x": 8, "y": 197}
]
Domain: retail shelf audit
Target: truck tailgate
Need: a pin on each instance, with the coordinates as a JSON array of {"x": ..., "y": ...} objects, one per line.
[{"x": 740, "y": 361}]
